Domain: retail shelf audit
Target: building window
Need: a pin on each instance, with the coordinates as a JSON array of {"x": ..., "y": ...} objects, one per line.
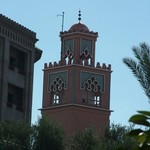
[
  {"x": 55, "y": 99},
  {"x": 17, "y": 60},
  {"x": 10, "y": 99},
  {"x": 91, "y": 98},
  {"x": 97, "y": 100},
  {"x": 15, "y": 97}
]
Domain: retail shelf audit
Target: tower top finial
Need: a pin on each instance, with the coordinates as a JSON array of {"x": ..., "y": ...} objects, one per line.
[{"x": 79, "y": 15}]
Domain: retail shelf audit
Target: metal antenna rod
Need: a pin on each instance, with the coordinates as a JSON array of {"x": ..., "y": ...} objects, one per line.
[{"x": 62, "y": 20}]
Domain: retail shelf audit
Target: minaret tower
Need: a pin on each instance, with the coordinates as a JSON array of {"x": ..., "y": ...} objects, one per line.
[{"x": 76, "y": 92}]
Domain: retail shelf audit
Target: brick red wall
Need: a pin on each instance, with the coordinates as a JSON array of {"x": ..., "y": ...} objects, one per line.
[{"x": 77, "y": 117}]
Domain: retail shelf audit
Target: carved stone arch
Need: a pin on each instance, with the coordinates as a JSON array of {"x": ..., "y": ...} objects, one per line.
[
  {"x": 56, "y": 89},
  {"x": 86, "y": 58},
  {"x": 91, "y": 91},
  {"x": 91, "y": 84},
  {"x": 57, "y": 85},
  {"x": 68, "y": 56}
]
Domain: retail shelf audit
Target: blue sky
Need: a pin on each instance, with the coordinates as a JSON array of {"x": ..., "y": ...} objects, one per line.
[{"x": 121, "y": 24}]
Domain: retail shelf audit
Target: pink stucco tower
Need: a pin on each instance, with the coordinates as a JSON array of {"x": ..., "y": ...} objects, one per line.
[{"x": 76, "y": 90}]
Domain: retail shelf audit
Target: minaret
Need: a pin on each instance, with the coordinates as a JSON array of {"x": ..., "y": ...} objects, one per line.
[{"x": 75, "y": 91}]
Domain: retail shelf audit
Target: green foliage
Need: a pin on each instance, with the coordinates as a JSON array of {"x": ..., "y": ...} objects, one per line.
[
  {"x": 141, "y": 67},
  {"x": 14, "y": 135},
  {"x": 115, "y": 138},
  {"x": 42, "y": 136},
  {"x": 141, "y": 70},
  {"x": 142, "y": 136},
  {"x": 48, "y": 135},
  {"x": 83, "y": 140}
]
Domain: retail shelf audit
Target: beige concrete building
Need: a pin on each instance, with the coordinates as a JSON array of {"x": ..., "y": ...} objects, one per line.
[{"x": 17, "y": 57}]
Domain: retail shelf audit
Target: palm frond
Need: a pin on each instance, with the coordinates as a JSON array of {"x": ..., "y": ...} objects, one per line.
[
  {"x": 141, "y": 67},
  {"x": 146, "y": 62},
  {"x": 137, "y": 53},
  {"x": 135, "y": 68}
]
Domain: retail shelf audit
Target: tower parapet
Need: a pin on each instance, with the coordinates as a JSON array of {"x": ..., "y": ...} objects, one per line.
[{"x": 63, "y": 63}]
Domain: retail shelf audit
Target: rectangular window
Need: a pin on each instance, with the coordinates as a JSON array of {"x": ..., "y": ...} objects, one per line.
[
  {"x": 97, "y": 100},
  {"x": 56, "y": 98},
  {"x": 91, "y": 98},
  {"x": 15, "y": 97},
  {"x": 17, "y": 60},
  {"x": 10, "y": 99}
]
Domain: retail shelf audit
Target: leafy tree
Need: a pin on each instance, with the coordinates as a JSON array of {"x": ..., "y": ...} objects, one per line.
[
  {"x": 141, "y": 70},
  {"x": 142, "y": 136},
  {"x": 83, "y": 140},
  {"x": 115, "y": 138},
  {"x": 14, "y": 135},
  {"x": 47, "y": 135}
]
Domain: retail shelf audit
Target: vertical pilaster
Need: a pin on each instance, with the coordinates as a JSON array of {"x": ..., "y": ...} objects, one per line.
[
  {"x": 29, "y": 86},
  {"x": 1, "y": 71},
  {"x": 5, "y": 66}
]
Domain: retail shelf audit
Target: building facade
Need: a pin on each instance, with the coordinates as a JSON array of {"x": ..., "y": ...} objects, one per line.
[
  {"x": 17, "y": 57},
  {"x": 76, "y": 92}
]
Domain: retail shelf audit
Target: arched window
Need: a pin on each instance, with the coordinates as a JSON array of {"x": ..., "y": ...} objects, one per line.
[
  {"x": 91, "y": 93},
  {"x": 56, "y": 91}
]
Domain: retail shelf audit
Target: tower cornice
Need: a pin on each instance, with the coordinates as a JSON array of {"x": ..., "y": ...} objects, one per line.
[
  {"x": 67, "y": 33},
  {"x": 13, "y": 25}
]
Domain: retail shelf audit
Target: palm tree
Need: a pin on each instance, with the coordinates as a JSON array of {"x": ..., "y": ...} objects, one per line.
[
  {"x": 141, "y": 70},
  {"x": 141, "y": 67}
]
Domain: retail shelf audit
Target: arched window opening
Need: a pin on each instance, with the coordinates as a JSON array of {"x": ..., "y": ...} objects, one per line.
[
  {"x": 89, "y": 61},
  {"x": 67, "y": 60}
]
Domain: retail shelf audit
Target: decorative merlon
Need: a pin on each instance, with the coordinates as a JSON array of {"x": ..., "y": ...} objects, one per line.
[{"x": 63, "y": 63}]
